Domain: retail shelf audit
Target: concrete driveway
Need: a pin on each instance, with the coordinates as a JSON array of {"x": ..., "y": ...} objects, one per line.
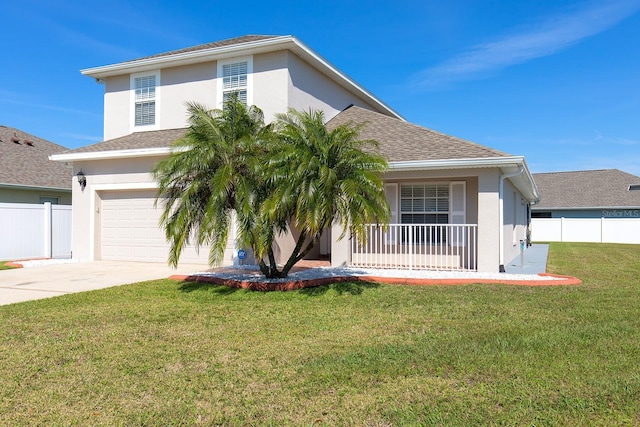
[{"x": 24, "y": 284}]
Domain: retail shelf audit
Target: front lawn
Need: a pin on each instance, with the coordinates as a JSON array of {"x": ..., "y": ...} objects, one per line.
[
  {"x": 4, "y": 266},
  {"x": 166, "y": 353}
]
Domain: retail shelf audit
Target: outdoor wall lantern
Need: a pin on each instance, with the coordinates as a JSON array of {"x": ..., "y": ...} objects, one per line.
[{"x": 82, "y": 180}]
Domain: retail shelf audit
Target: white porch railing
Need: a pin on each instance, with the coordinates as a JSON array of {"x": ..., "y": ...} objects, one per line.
[{"x": 418, "y": 246}]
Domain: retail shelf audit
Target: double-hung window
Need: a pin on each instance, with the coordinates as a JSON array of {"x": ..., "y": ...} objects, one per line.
[
  {"x": 145, "y": 100},
  {"x": 235, "y": 76},
  {"x": 234, "y": 80},
  {"x": 424, "y": 203}
]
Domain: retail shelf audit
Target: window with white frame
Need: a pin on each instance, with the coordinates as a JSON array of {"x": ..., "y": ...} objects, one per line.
[
  {"x": 145, "y": 100},
  {"x": 235, "y": 80},
  {"x": 424, "y": 203}
]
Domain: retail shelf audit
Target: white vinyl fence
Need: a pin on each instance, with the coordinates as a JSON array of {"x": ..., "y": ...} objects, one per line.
[
  {"x": 34, "y": 231},
  {"x": 600, "y": 230}
]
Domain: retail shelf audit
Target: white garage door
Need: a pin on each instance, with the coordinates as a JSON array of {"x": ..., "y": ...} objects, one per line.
[{"x": 130, "y": 231}]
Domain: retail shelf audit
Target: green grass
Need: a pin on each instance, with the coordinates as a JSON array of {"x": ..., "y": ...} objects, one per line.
[
  {"x": 4, "y": 266},
  {"x": 165, "y": 353}
]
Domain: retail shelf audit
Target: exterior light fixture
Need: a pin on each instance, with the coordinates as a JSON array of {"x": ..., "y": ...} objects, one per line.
[{"x": 82, "y": 180}]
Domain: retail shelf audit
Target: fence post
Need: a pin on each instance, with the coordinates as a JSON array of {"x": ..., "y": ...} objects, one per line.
[
  {"x": 47, "y": 234},
  {"x": 601, "y": 229},
  {"x": 562, "y": 229}
]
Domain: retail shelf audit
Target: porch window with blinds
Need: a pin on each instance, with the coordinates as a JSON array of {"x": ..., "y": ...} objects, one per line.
[
  {"x": 424, "y": 203},
  {"x": 234, "y": 80},
  {"x": 145, "y": 100}
]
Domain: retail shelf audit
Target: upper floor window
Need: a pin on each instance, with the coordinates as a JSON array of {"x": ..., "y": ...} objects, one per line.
[
  {"x": 235, "y": 78},
  {"x": 144, "y": 97},
  {"x": 145, "y": 104}
]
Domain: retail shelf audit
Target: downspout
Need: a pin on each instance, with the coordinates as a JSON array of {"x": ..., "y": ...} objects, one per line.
[{"x": 501, "y": 213}]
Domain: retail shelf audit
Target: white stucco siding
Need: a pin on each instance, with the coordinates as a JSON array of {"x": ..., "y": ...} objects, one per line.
[
  {"x": 488, "y": 221},
  {"x": 179, "y": 85},
  {"x": 308, "y": 88},
  {"x": 270, "y": 83},
  {"x": 117, "y": 108},
  {"x": 514, "y": 221}
]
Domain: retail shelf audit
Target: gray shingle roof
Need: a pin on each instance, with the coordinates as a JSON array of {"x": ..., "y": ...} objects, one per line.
[
  {"x": 26, "y": 162},
  {"x": 136, "y": 140},
  {"x": 399, "y": 140},
  {"x": 212, "y": 45},
  {"x": 402, "y": 141},
  {"x": 586, "y": 189}
]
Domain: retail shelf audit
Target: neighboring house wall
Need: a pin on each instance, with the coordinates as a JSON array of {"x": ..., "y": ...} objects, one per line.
[
  {"x": 9, "y": 195},
  {"x": 627, "y": 212}
]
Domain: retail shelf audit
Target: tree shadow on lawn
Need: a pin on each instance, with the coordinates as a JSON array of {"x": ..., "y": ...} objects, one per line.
[
  {"x": 214, "y": 288},
  {"x": 355, "y": 287}
]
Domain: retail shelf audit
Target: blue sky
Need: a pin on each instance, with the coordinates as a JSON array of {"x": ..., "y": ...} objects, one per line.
[{"x": 556, "y": 81}]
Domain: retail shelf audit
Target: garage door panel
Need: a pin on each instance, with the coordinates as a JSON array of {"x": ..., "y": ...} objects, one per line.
[{"x": 130, "y": 230}]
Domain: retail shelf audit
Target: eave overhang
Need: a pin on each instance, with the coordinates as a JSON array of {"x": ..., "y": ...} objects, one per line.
[{"x": 523, "y": 182}]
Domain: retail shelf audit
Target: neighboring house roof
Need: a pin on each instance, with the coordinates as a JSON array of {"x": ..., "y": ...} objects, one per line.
[
  {"x": 587, "y": 189},
  {"x": 240, "y": 46},
  {"x": 403, "y": 141},
  {"x": 24, "y": 161}
]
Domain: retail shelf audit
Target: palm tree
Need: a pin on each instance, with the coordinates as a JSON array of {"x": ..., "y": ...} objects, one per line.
[
  {"x": 212, "y": 172},
  {"x": 319, "y": 176}
]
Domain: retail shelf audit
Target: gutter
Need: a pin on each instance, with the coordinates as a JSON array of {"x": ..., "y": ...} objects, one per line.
[
  {"x": 501, "y": 213},
  {"x": 33, "y": 187}
]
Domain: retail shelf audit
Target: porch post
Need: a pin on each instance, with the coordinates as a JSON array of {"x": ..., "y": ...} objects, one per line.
[
  {"x": 488, "y": 221},
  {"x": 340, "y": 249}
]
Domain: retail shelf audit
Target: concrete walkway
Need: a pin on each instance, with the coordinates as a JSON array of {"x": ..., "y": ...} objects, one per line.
[
  {"x": 535, "y": 261},
  {"x": 24, "y": 284}
]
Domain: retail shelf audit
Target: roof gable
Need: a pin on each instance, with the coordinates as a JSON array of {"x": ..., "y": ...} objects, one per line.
[
  {"x": 212, "y": 45},
  {"x": 24, "y": 161},
  {"x": 402, "y": 141},
  {"x": 240, "y": 46},
  {"x": 587, "y": 189}
]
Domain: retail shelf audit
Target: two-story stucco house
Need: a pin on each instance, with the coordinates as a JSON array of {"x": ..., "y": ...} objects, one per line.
[{"x": 455, "y": 204}]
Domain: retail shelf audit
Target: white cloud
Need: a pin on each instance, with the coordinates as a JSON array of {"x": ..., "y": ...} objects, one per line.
[{"x": 546, "y": 37}]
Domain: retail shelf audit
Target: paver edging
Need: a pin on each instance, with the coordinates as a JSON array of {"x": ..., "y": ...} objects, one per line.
[{"x": 309, "y": 283}]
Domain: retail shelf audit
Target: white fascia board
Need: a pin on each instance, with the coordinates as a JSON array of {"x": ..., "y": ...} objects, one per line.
[
  {"x": 244, "y": 49},
  {"x": 184, "y": 58},
  {"x": 114, "y": 154},
  {"x": 33, "y": 187},
  {"x": 486, "y": 162}
]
